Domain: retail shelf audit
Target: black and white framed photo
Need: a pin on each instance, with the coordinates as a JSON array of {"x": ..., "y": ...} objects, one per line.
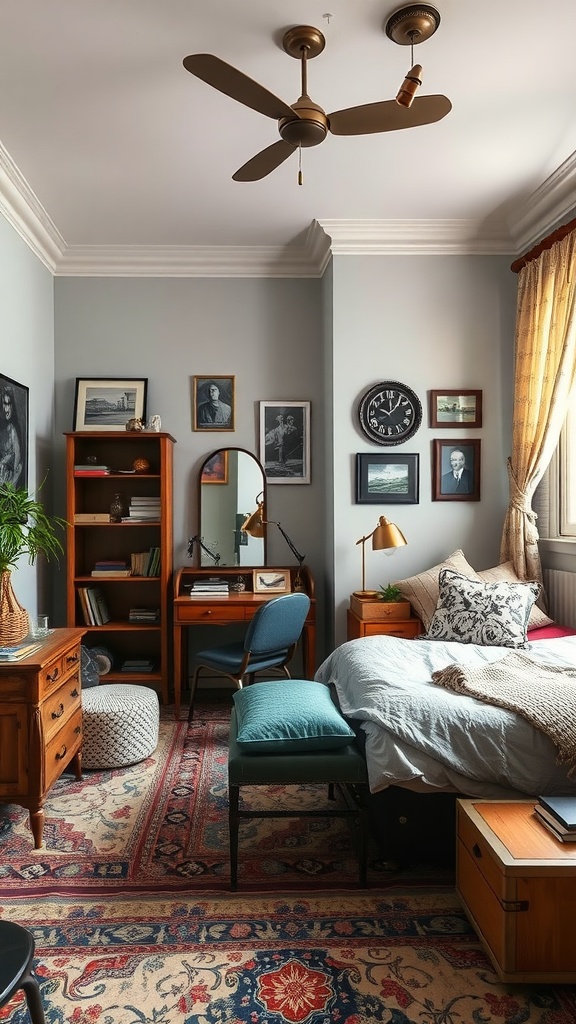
[
  {"x": 285, "y": 442},
  {"x": 107, "y": 403},
  {"x": 456, "y": 471},
  {"x": 13, "y": 433},
  {"x": 213, "y": 402},
  {"x": 457, "y": 408},
  {"x": 391, "y": 479}
]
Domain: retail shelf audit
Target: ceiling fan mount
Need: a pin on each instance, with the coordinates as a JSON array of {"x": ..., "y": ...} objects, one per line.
[{"x": 305, "y": 123}]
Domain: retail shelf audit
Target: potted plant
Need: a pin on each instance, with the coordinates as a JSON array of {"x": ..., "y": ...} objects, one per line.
[
  {"x": 25, "y": 529},
  {"x": 399, "y": 607}
]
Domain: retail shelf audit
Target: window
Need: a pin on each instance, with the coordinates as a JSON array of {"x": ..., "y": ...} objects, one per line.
[{"x": 566, "y": 476}]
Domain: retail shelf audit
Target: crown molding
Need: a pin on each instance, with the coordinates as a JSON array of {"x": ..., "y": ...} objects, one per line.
[{"x": 325, "y": 238}]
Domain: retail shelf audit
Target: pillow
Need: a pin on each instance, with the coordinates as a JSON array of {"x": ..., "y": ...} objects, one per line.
[
  {"x": 474, "y": 612},
  {"x": 505, "y": 572},
  {"x": 422, "y": 590},
  {"x": 285, "y": 716}
]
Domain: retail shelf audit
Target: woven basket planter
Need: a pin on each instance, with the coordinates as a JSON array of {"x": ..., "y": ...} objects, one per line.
[{"x": 14, "y": 623}]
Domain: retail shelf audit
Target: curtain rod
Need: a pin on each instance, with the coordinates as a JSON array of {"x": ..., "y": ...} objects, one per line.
[{"x": 546, "y": 243}]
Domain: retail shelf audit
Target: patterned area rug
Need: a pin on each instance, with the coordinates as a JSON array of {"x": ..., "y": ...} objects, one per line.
[{"x": 134, "y": 923}]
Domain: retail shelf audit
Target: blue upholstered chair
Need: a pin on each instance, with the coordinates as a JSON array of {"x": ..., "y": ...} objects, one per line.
[{"x": 268, "y": 646}]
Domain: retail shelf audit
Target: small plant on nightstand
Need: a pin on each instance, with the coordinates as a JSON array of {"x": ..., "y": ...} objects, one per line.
[{"x": 390, "y": 594}]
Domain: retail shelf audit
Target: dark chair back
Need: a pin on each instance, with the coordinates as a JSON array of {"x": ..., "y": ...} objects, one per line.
[{"x": 277, "y": 624}]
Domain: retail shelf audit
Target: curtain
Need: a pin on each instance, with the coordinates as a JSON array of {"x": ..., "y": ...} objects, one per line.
[{"x": 545, "y": 371}]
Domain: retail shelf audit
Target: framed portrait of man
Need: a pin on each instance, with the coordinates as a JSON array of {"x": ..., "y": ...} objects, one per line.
[
  {"x": 456, "y": 470},
  {"x": 285, "y": 442},
  {"x": 213, "y": 402},
  {"x": 13, "y": 432}
]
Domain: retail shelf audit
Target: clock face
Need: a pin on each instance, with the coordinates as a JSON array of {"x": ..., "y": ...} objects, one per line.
[{"x": 390, "y": 413}]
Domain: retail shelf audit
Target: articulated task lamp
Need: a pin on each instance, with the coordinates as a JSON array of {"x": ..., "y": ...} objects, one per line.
[
  {"x": 386, "y": 536},
  {"x": 254, "y": 525}
]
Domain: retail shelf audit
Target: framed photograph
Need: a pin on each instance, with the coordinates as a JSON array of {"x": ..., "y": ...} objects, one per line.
[
  {"x": 213, "y": 402},
  {"x": 456, "y": 471},
  {"x": 392, "y": 479},
  {"x": 13, "y": 433},
  {"x": 215, "y": 469},
  {"x": 107, "y": 403},
  {"x": 456, "y": 408},
  {"x": 285, "y": 442},
  {"x": 271, "y": 581}
]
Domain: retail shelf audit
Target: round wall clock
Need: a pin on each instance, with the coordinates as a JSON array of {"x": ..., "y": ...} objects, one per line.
[{"x": 390, "y": 413}]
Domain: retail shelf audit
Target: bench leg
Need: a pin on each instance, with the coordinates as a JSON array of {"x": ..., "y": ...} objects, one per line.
[{"x": 233, "y": 821}]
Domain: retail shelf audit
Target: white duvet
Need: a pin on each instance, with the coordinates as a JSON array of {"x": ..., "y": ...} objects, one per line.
[{"x": 419, "y": 735}]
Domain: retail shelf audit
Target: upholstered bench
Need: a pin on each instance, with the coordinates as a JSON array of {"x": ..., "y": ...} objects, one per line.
[
  {"x": 290, "y": 733},
  {"x": 120, "y": 723}
]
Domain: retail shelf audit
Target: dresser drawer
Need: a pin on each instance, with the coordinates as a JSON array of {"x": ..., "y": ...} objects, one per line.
[
  {"x": 482, "y": 904},
  {"x": 62, "y": 747},
  {"x": 54, "y": 674},
  {"x": 60, "y": 704}
]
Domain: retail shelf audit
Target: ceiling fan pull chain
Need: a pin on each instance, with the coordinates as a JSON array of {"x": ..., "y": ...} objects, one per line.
[{"x": 300, "y": 178}]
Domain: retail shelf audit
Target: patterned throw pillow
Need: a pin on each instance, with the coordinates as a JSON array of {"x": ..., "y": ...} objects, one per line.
[
  {"x": 422, "y": 590},
  {"x": 490, "y": 614},
  {"x": 505, "y": 572}
]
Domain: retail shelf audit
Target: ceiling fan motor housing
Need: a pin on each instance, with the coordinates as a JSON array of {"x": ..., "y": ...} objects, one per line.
[{"x": 308, "y": 128}]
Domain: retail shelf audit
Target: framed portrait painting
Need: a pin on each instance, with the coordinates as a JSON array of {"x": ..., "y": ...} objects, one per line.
[
  {"x": 215, "y": 469},
  {"x": 456, "y": 470},
  {"x": 459, "y": 408},
  {"x": 107, "y": 403},
  {"x": 13, "y": 433},
  {"x": 391, "y": 479},
  {"x": 285, "y": 442},
  {"x": 213, "y": 403}
]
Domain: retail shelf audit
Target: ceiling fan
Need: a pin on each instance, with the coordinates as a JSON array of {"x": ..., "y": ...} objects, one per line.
[{"x": 304, "y": 123}]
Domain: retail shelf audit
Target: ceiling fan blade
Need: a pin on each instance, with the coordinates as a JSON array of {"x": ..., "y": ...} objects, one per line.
[
  {"x": 264, "y": 162},
  {"x": 236, "y": 84},
  {"x": 388, "y": 116}
]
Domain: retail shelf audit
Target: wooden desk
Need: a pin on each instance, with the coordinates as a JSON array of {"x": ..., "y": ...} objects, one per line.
[
  {"x": 357, "y": 627},
  {"x": 40, "y": 723},
  {"x": 232, "y": 610}
]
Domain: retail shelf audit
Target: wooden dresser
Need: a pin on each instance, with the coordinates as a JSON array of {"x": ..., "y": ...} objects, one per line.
[{"x": 40, "y": 723}]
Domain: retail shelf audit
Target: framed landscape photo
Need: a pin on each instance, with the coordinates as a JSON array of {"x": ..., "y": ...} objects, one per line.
[
  {"x": 13, "y": 432},
  {"x": 107, "y": 403},
  {"x": 456, "y": 470},
  {"x": 391, "y": 479},
  {"x": 285, "y": 442},
  {"x": 213, "y": 402},
  {"x": 459, "y": 408},
  {"x": 271, "y": 581}
]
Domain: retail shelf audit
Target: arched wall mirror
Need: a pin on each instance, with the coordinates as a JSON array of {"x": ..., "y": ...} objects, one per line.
[{"x": 230, "y": 481}]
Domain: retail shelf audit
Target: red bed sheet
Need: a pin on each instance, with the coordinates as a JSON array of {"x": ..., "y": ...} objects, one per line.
[{"x": 550, "y": 632}]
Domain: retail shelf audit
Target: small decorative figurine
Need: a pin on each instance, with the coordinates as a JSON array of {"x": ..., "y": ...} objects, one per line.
[
  {"x": 135, "y": 424},
  {"x": 118, "y": 508},
  {"x": 141, "y": 465},
  {"x": 155, "y": 424}
]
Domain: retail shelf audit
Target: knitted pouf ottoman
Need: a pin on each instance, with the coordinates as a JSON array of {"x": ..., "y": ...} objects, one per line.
[{"x": 120, "y": 725}]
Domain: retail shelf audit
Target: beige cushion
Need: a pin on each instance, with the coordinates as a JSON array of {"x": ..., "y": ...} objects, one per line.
[
  {"x": 505, "y": 574},
  {"x": 422, "y": 590}
]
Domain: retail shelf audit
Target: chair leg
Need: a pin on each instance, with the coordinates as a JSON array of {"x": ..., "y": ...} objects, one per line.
[
  {"x": 193, "y": 693},
  {"x": 33, "y": 999},
  {"x": 233, "y": 822}
]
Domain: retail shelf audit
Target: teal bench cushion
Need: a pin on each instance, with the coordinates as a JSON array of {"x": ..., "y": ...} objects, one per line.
[{"x": 289, "y": 715}]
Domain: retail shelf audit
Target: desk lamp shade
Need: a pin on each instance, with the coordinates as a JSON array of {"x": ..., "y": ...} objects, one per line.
[{"x": 386, "y": 536}]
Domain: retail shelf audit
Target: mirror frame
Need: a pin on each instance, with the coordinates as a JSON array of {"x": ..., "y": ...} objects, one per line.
[{"x": 245, "y": 451}]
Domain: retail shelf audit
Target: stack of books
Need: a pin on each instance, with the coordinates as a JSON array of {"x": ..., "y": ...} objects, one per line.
[
  {"x": 93, "y": 605},
  {"x": 144, "y": 615},
  {"x": 18, "y": 651},
  {"x": 558, "y": 815},
  {"x": 111, "y": 567},
  {"x": 145, "y": 563},
  {"x": 142, "y": 509},
  {"x": 210, "y": 586},
  {"x": 137, "y": 665},
  {"x": 90, "y": 469}
]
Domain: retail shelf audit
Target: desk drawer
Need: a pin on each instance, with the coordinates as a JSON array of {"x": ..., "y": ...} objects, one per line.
[
  {"x": 59, "y": 705},
  {"x": 62, "y": 747},
  {"x": 223, "y": 612},
  {"x": 54, "y": 674}
]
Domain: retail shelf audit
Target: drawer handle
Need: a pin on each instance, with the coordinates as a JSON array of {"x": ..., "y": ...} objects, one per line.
[
  {"x": 208, "y": 611},
  {"x": 59, "y": 713},
  {"x": 74, "y": 692},
  {"x": 476, "y": 850},
  {"x": 71, "y": 658},
  {"x": 62, "y": 753},
  {"x": 78, "y": 729},
  {"x": 53, "y": 676}
]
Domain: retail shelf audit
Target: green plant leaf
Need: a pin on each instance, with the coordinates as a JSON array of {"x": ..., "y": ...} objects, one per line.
[{"x": 26, "y": 528}]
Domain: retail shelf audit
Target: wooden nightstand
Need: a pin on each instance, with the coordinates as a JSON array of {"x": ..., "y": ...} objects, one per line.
[
  {"x": 518, "y": 887},
  {"x": 357, "y": 627}
]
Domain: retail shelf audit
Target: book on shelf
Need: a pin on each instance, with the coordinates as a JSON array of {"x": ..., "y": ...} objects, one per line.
[
  {"x": 145, "y": 563},
  {"x": 18, "y": 651},
  {"x": 561, "y": 808},
  {"x": 111, "y": 572},
  {"x": 135, "y": 665},
  {"x": 93, "y": 605},
  {"x": 92, "y": 472},
  {"x": 562, "y": 837},
  {"x": 91, "y": 517},
  {"x": 144, "y": 615},
  {"x": 93, "y": 467}
]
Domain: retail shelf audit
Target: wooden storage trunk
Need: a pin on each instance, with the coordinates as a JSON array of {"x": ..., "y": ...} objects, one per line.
[
  {"x": 518, "y": 887},
  {"x": 376, "y": 611}
]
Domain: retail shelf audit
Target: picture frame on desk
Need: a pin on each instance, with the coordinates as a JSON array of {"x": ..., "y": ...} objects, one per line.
[
  {"x": 271, "y": 581},
  {"x": 108, "y": 403}
]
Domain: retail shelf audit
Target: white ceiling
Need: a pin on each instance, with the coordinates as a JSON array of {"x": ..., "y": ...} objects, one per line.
[{"x": 108, "y": 142}]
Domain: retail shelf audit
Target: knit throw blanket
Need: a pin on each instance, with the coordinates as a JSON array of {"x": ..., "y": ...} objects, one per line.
[{"x": 545, "y": 695}]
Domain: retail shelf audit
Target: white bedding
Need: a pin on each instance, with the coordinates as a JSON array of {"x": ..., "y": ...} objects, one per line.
[{"x": 419, "y": 735}]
